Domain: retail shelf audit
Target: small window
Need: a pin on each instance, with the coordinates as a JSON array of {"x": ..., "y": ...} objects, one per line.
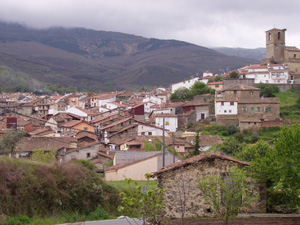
[
  {"x": 231, "y": 103},
  {"x": 150, "y": 133},
  {"x": 295, "y": 55},
  {"x": 225, "y": 111},
  {"x": 244, "y": 109},
  {"x": 258, "y": 109},
  {"x": 143, "y": 133},
  {"x": 270, "y": 36},
  {"x": 229, "y": 110},
  {"x": 234, "y": 92},
  {"x": 217, "y": 85},
  {"x": 252, "y": 108},
  {"x": 222, "y": 103},
  {"x": 88, "y": 155},
  {"x": 278, "y": 35},
  {"x": 85, "y": 128},
  {"x": 268, "y": 109}
]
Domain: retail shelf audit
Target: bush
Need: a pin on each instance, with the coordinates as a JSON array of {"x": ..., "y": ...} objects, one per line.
[
  {"x": 32, "y": 188},
  {"x": 232, "y": 129},
  {"x": 98, "y": 214},
  {"x": 17, "y": 220},
  {"x": 239, "y": 136},
  {"x": 254, "y": 137},
  {"x": 86, "y": 164}
]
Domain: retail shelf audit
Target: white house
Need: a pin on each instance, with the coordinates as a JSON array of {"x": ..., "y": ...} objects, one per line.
[
  {"x": 146, "y": 129},
  {"x": 171, "y": 121},
  {"x": 153, "y": 99},
  {"x": 84, "y": 113},
  {"x": 270, "y": 74},
  {"x": 105, "y": 98},
  {"x": 225, "y": 107},
  {"x": 186, "y": 83}
]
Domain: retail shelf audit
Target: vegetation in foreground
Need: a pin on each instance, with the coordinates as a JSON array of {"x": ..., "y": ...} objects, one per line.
[{"x": 59, "y": 192}]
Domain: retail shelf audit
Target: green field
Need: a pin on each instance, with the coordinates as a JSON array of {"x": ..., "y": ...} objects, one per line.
[{"x": 123, "y": 185}]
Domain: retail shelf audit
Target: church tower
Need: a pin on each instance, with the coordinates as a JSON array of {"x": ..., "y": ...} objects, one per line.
[{"x": 275, "y": 40}]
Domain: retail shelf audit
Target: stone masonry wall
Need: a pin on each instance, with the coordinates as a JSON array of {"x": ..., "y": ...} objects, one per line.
[{"x": 183, "y": 182}]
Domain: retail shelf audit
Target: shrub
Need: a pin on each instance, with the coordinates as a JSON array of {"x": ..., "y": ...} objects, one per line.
[
  {"x": 32, "y": 188},
  {"x": 239, "y": 136},
  {"x": 232, "y": 129},
  {"x": 17, "y": 220},
  {"x": 86, "y": 164}
]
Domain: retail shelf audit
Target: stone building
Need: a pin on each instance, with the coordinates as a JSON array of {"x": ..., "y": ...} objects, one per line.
[
  {"x": 278, "y": 52},
  {"x": 243, "y": 106},
  {"x": 181, "y": 178}
]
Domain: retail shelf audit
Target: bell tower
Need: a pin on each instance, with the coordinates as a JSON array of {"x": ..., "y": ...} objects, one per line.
[{"x": 275, "y": 45}]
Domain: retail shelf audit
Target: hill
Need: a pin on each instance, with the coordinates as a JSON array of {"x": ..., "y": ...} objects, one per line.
[
  {"x": 94, "y": 60},
  {"x": 256, "y": 54}
]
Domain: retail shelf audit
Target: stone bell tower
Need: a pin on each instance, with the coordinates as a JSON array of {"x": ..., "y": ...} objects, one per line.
[{"x": 275, "y": 45}]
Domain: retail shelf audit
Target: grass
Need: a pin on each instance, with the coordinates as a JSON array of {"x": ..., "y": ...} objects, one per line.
[
  {"x": 123, "y": 185},
  {"x": 288, "y": 104},
  {"x": 269, "y": 133}
]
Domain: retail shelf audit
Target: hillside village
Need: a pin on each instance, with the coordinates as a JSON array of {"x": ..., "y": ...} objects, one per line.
[
  {"x": 128, "y": 134},
  {"x": 120, "y": 126}
]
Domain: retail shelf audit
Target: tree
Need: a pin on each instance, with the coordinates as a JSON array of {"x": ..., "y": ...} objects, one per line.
[
  {"x": 227, "y": 196},
  {"x": 9, "y": 141},
  {"x": 197, "y": 144},
  {"x": 141, "y": 203},
  {"x": 253, "y": 152},
  {"x": 234, "y": 74},
  {"x": 231, "y": 146},
  {"x": 279, "y": 166},
  {"x": 43, "y": 156},
  {"x": 267, "y": 90}
]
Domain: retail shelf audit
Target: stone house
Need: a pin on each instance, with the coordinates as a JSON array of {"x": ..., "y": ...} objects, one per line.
[
  {"x": 187, "y": 173},
  {"x": 242, "y": 105},
  {"x": 84, "y": 153},
  {"x": 202, "y": 109}
]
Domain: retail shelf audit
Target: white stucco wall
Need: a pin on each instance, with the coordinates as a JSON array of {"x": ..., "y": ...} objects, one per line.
[
  {"x": 171, "y": 123},
  {"x": 226, "y": 109},
  {"x": 187, "y": 84}
]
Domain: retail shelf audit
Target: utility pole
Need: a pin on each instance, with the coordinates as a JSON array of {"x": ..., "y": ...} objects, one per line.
[
  {"x": 173, "y": 147},
  {"x": 163, "y": 142}
]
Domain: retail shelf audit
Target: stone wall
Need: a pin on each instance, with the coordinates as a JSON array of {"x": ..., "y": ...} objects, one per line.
[
  {"x": 231, "y": 82},
  {"x": 183, "y": 182}
]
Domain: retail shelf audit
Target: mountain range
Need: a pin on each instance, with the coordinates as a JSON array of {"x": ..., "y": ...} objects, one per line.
[{"x": 100, "y": 60}]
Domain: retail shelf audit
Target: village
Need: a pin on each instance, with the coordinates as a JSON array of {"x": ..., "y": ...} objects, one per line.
[{"x": 129, "y": 134}]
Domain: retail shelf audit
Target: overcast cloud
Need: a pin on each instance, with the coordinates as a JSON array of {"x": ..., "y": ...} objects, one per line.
[{"x": 212, "y": 23}]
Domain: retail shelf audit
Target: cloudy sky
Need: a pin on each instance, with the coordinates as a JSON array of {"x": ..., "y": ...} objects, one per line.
[{"x": 209, "y": 23}]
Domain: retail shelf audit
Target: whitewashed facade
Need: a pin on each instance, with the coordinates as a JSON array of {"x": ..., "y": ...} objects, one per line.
[
  {"x": 186, "y": 83},
  {"x": 226, "y": 108},
  {"x": 270, "y": 74},
  {"x": 171, "y": 121}
]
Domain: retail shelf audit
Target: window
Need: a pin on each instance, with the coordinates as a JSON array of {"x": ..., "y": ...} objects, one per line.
[
  {"x": 85, "y": 128},
  {"x": 222, "y": 103},
  {"x": 244, "y": 109},
  {"x": 217, "y": 85},
  {"x": 269, "y": 36},
  {"x": 234, "y": 92},
  {"x": 278, "y": 35},
  {"x": 143, "y": 133},
  {"x": 252, "y": 108},
  {"x": 295, "y": 55},
  {"x": 88, "y": 155},
  {"x": 231, "y": 103},
  {"x": 225, "y": 111},
  {"x": 150, "y": 133},
  {"x": 229, "y": 110},
  {"x": 258, "y": 109},
  {"x": 268, "y": 109}
]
